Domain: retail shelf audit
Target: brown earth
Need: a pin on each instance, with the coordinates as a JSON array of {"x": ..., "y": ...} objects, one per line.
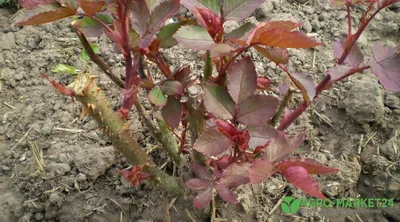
[{"x": 354, "y": 127}]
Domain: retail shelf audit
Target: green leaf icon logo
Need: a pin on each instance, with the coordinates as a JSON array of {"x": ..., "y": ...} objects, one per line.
[{"x": 290, "y": 206}]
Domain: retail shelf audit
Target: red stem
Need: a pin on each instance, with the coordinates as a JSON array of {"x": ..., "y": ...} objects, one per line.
[
  {"x": 348, "y": 3},
  {"x": 320, "y": 87},
  {"x": 351, "y": 40}
]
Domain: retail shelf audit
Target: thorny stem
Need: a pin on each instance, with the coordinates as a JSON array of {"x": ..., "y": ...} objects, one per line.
[
  {"x": 282, "y": 106},
  {"x": 95, "y": 102}
]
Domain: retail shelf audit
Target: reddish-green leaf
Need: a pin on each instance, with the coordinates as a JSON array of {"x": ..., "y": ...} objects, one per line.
[
  {"x": 238, "y": 10},
  {"x": 218, "y": 102},
  {"x": 312, "y": 166},
  {"x": 194, "y": 37},
  {"x": 355, "y": 57},
  {"x": 305, "y": 83},
  {"x": 201, "y": 172},
  {"x": 151, "y": 4},
  {"x": 212, "y": 143},
  {"x": 260, "y": 170},
  {"x": 165, "y": 35},
  {"x": 387, "y": 66},
  {"x": 139, "y": 16},
  {"x": 197, "y": 184},
  {"x": 160, "y": 14},
  {"x": 213, "y": 5},
  {"x": 261, "y": 134},
  {"x": 172, "y": 112},
  {"x": 44, "y": 14},
  {"x": 172, "y": 88},
  {"x": 227, "y": 195},
  {"x": 241, "y": 34},
  {"x": 242, "y": 80},
  {"x": 234, "y": 175},
  {"x": 280, "y": 147},
  {"x": 91, "y": 7},
  {"x": 182, "y": 74},
  {"x": 257, "y": 109},
  {"x": 277, "y": 55},
  {"x": 157, "y": 97},
  {"x": 31, "y": 4},
  {"x": 203, "y": 198},
  {"x": 299, "y": 177},
  {"x": 90, "y": 27},
  {"x": 221, "y": 49}
]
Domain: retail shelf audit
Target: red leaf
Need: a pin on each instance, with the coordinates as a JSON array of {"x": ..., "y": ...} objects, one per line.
[
  {"x": 260, "y": 170},
  {"x": 299, "y": 177},
  {"x": 44, "y": 14},
  {"x": 60, "y": 88},
  {"x": 91, "y": 7},
  {"x": 227, "y": 195},
  {"x": 139, "y": 15},
  {"x": 312, "y": 166},
  {"x": 31, "y": 4},
  {"x": 235, "y": 175},
  {"x": 261, "y": 134},
  {"x": 263, "y": 82},
  {"x": 280, "y": 148},
  {"x": 135, "y": 175},
  {"x": 203, "y": 198},
  {"x": 257, "y": 109},
  {"x": 305, "y": 83},
  {"x": 172, "y": 112},
  {"x": 209, "y": 20},
  {"x": 212, "y": 143},
  {"x": 355, "y": 57},
  {"x": 387, "y": 66},
  {"x": 277, "y": 55},
  {"x": 198, "y": 184},
  {"x": 218, "y": 102},
  {"x": 229, "y": 130},
  {"x": 279, "y": 34},
  {"x": 182, "y": 74},
  {"x": 242, "y": 80},
  {"x": 201, "y": 172}
]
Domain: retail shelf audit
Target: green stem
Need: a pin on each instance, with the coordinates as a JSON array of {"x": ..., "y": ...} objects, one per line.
[
  {"x": 284, "y": 103},
  {"x": 97, "y": 105},
  {"x": 168, "y": 141}
]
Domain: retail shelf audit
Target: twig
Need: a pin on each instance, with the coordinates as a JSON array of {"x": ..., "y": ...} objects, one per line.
[
  {"x": 38, "y": 156},
  {"x": 369, "y": 138},
  {"x": 359, "y": 218},
  {"x": 314, "y": 57},
  {"x": 119, "y": 205},
  {"x": 360, "y": 144},
  {"x": 9, "y": 106},
  {"x": 213, "y": 207},
  {"x": 278, "y": 203},
  {"x": 22, "y": 139},
  {"x": 189, "y": 215},
  {"x": 166, "y": 209},
  {"x": 70, "y": 130}
]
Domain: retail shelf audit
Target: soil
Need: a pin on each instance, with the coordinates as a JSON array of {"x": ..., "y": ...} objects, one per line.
[{"x": 354, "y": 127}]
